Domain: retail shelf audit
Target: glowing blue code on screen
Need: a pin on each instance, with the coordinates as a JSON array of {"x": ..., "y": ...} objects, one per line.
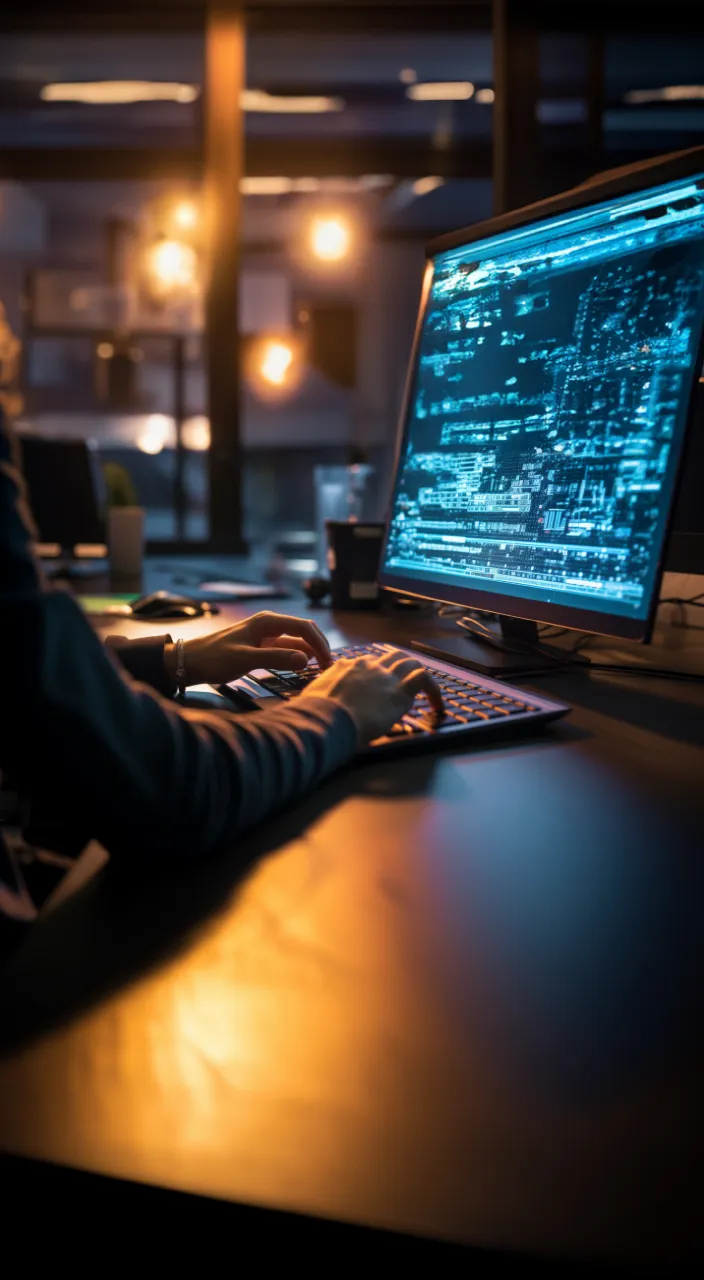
[{"x": 548, "y": 405}]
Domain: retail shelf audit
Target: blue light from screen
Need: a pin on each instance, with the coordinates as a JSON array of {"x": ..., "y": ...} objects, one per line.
[{"x": 548, "y": 405}]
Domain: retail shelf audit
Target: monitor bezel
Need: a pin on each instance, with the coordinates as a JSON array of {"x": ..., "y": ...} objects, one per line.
[{"x": 616, "y": 182}]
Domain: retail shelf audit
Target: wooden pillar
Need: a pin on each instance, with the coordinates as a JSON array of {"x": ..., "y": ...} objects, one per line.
[
  {"x": 517, "y": 161},
  {"x": 224, "y": 161}
]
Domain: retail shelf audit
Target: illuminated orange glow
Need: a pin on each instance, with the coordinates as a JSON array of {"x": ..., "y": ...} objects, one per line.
[
  {"x": 441, "y": 91},
  {"x": 196, "y": 434},
  {"x": 259, "y": 100},
  {"x": 275, "y": 365},
  {"x": 277, "y": 359},
  {"x": 173, "y": 265},
  {"x": 119, "y": 92},
  {"x": 186, "y": 215},
  {"x": 155, "y": 435},
  {"x": 423, "y": 186},
  {"x": 668, "y": 93},
  {"x": 331, "y": 238}
]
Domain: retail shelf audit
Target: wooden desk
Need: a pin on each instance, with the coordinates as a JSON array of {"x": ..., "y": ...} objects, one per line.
[{"x": 455, "y": 995}]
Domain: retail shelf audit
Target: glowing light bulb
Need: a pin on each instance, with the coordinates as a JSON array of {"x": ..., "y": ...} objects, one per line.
[
  {"x": 173, "y": 265},
  {"x": 330, "y": 239},
  {"x": 276, "y": 361},
  {"x": 186, "y": 215},
  {"x": 196, "y": 434},
  {"x": 155, "y": 435},
  {"x": 275, "y": 365}
]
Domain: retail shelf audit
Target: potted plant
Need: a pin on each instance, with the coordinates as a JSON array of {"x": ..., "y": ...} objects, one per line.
[
  {"x": 125, "y": 521},
  {"x": 119, "y": 488}
]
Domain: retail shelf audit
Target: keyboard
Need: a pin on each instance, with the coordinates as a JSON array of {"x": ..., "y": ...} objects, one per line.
[{"x": 475, "y": 706}]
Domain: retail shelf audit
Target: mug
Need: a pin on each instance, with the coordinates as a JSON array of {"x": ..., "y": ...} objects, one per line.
[{"x": 353, "y": 562}]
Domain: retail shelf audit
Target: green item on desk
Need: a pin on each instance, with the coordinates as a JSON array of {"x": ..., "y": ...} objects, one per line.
[
  {"x": 104, "y": 606},
  {"x": 118, "y": 483}
]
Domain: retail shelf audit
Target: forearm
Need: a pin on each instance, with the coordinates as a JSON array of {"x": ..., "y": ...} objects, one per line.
[
  {"x": 149, "y": 659},
  {"x": 97, "y": 757},
  {"x": 145, "y": 778}
]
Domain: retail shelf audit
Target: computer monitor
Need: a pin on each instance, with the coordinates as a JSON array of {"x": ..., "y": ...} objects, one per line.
[
  {"x": 63, "y": 491},
  {"x": 547, "y": 408},
  {"x": 685, "y": 548}
]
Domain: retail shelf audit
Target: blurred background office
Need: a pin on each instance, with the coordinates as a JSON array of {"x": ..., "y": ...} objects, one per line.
[{"x": 213, "y": 219}]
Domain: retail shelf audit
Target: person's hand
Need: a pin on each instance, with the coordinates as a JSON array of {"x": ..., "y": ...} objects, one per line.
[
  {"x": 265, "y": 640},
  {"x": 377, "y": 691}
]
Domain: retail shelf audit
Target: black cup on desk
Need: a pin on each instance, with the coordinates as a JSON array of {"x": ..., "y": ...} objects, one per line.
[{"x": 353, "y": 562}]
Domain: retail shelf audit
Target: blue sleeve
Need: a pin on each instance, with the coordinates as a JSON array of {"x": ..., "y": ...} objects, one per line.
[
  {"x": 143, "y": 659},
  {"x": 18, "y": 569},
  {"x": 101, "y": 758}
]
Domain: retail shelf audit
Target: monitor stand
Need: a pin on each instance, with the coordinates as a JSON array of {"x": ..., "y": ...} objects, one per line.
[{"x": 515, "y": 649}]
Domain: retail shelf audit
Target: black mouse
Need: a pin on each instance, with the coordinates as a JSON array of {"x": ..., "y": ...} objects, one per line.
[
  {"x": 166, "y": 604},
  {"x": 316, "y": 589}
]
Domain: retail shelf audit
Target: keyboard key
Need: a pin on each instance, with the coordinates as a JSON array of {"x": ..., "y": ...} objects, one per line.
[
  {"x": 274, "y": 684},
  {"x": 400, "y": 729},
  {"x": 414, "y": 726},
  {"x": 421, "y": 715}
]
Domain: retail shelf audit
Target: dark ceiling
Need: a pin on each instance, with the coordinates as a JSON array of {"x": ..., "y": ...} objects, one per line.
[
  {"x": 301, "y": 49},
  {"x": 335, "y": 15}
]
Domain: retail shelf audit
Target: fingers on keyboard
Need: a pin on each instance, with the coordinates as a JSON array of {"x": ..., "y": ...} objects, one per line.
[{"x": 466, "y": 701}]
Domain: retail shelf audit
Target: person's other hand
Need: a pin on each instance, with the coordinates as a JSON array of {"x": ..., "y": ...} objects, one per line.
[
  {"x": 264, "y": 640},
  {"x": 377, "y": 691}
]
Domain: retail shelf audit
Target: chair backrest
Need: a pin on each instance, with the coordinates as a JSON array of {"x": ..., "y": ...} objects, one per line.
[{"x": 62, "y": 490}]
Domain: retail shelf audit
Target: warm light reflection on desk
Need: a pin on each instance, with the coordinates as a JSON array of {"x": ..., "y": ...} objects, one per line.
[
  {"x": 453, "y": 995},
  {"x": 245, "y": 1030}
]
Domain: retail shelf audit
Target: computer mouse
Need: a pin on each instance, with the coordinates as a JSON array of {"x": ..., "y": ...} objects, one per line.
[
  {"x": 166, "y": 604},
  {"x": 316, "y": 589}
]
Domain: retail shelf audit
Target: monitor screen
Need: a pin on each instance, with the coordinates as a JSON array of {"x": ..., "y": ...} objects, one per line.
[{"x": 547, "y": 406}]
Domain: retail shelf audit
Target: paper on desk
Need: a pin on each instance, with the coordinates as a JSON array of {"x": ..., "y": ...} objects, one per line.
[{"x": 241, "y": 590}]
